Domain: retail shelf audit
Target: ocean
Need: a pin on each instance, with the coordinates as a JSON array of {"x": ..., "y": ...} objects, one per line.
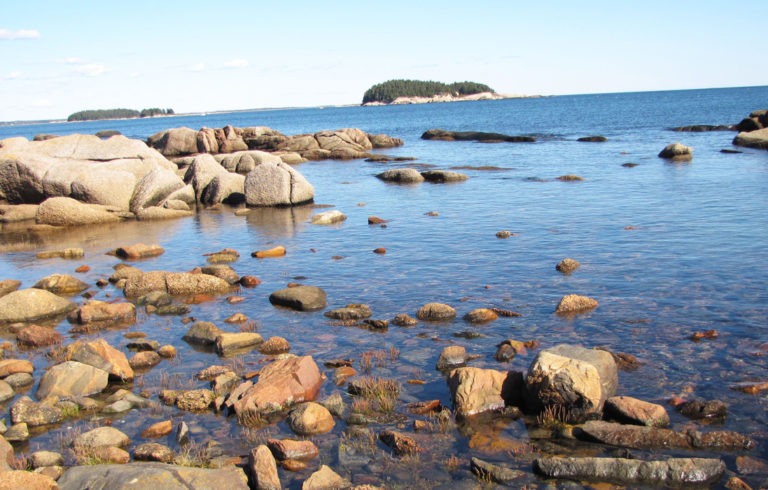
[{"x": 667, "y": 249}]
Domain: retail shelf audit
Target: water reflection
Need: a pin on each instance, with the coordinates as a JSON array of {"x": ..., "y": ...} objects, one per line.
[{"x": 279, "y": 222}]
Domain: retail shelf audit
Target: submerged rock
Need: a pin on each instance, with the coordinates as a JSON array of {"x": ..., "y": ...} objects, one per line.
[
  {"x": 328, "y": 217},
  {"x": 673, "y": 472},
  {"x": 152, "y": 475},
  {"x": 495, "y": 473},
  {"x": 567, "y": 265},
  {"x": 442, "y": 176},
  {"x": 442, "y": 135},
  {"x": 639, "y": 437}
]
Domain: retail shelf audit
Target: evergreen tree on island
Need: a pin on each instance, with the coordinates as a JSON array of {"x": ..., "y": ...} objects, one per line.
[{"x": 390, "y": 90}]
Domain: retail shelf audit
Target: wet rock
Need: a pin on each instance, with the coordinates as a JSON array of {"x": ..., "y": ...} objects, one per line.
[
  {"x": 575, "y": 378},
  {"x": 227, "y": 343},
  {"x": 41, "y": 459},
  {"x": 334, "y": 404},
  {"x": 673, "y": 472},
  {"x": 380, "y": 251},
  {"x": 13, "y": 366},
  {"x": 99, "y": 354},
  {"x": 249, "y": 281},
  {"x": 62, "y": 284},
  {"x": 639, "y": 437},
  {"x": 323, "y": 479},
  {"x": 147, "y": 475},
  {"x": 275, "y": 345},
  {"x": 202, "y": 333},
  {"x": 508, "y": 349},
  {"x": 375, "y": 220},
  {"x": 224, "y": 383},
  {"x": 194, "y": 400},
  {"x": 101, "y": 437},
  {"x": 263, "y": 468},
  {"x": 236, "y": 318},
  {"x": 707, "y": 334},
  {"x": 748, "y": 466},
  {"x": 174, "y": 283},
  {"x": 28, "y": 305},
  {"x": 101, "y": 312},
  {"x": 182, "y": 434},
  {"x": 67, "y": 253},
  {"x": 377, "y": 325},
  {"x": 72, "y": 378},
  {"x": 25, "y": 410},
  {"x": 400, "y": 443},
  {"x": 700, "y": 409},
  {"x": 281, "y": 384},
  {"x": 167, "y": 352},
  {"x": 677, "y": 152},
  {"x": 569, "y": 178},
  {"x": 144, "y": 360},
  {"x": 475, "y": 390},
  {"x": 736, "y": 483},
  {"x": 593, "y": 139},
  {"x": 284, "y": 449},
  {"x": 567, "y": 265},
  {"x": 160, "y": 429},
  {"x": 18, "y": 212},
  {"x": 143, "y": 345},
  {"x": 19, "y": 380},
  {"x": 222, "y": 271},
  {"x": 503, "y": 234},
  {"x": 495, "y": 473},
  {"x": 36, "y": 336},
  {"x": 211, "y": 372},
  {"x": 139, "y": 251},
  {"x": 6, "y": 454},
  {"x": 401, "y": 176},
  {"x": 168, "y": 310},
  {"x": 17, "y": 432},
  {"x": 481, "y": 315},
  {"x": 350, "y": 312},
  {"x": 152, "y": 451},
  {"x": 404, "y": 320},
  {"x": 630, "y": 410},
  {"x": 442, "y": 176},
  {"x": 328, "y": 217},
  {"x": 573, "y": 303},
  {"x": 752, "y": 139},
  {"x": 301, "y": 298},
  {"x": 310, "y": 419},
  {"x": 124, "y": 271},
  {"x": 65, "y": 211},
  {"x": 278, "y": 251},
  {"x": 452, "y": 357},
  {"x": 435, "y": 312}
]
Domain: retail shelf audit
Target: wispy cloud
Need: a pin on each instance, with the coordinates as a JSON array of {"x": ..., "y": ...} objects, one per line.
[
  {"x": 12, "y": 75},
  {"x": 197, "y": 67},
  {"x": 236, "y": 63},
  {"x": 20, "y": 34},
  {"x": 91, "y": 70}
]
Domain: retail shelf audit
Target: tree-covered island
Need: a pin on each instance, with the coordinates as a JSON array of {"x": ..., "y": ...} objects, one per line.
[
  {"x": 390, "y": 90},
  {"x": 96, "y": 114}
]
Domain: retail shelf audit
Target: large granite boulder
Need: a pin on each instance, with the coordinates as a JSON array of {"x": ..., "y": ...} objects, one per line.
[
  {"x": 401, "y": 176},
  {"x": 175, "y": 141},
  {"x": 280, "y": 385},
  {"x": 577, "y": 379},
  {"x": 228, "y": 188},
  {"x": 277, "y": 184},
  {"x": 753, "y": 139},
  {"x": 72, "y": 378},
  {"x": 476, "y": 390},
  {"x": 27, "y": 305},
  {"x": 243, "y": 162},
  {"x": 201, "y": 172},
  {"x": 65, "y": 211},
  {"x": 154, "y": 188},
  {"x": 301, "y": 298},
  {"x": 99, "y": 354},
  {"x": 152, "y": 475},
  {"x": 175, "y": 283}
]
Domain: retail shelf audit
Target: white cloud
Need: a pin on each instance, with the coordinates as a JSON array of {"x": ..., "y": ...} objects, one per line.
[
  {"x": 20, "y": 34},
  {"x": 12, "y": 75},
  {"x": 91, "y": 70},
  {"x": 197, "y": 67},
  {"x": 236, "y": 63}
]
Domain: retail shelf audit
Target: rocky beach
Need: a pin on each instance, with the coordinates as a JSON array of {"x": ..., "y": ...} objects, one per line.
[{"x": 410, "y": 304}]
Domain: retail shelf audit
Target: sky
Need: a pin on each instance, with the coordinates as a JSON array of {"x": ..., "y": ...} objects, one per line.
[{"x": 60, "y": 57}]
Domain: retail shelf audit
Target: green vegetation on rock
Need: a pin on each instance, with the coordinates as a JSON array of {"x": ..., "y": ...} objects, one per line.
[
  {"x": 92, "y": 115},
  {"x": 390, "y": 90}
]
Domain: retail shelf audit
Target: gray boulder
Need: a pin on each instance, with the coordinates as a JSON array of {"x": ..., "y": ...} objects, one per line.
[
  {"x": 201, "y": 172},
  {"x": 677, "y": 152},
  {"x": 228, "y": 188},
  {"x": 175, "y": 141},
  {"x": 302, "y": 298},
  {"x": 277, "y": 184},
  {"x": 244, "y": 161},
  {"x": 401, "y": 176},
  {"x": 27, "y": 305},
  {"x": 673, "y": 472},
  {"x": 753, "y": 139},
  {"x": 154, "y": 188},
  {"x": 442, "y": 176},
  {"x": 152, "y": 475},
  {"x": 65, "y": 211}
]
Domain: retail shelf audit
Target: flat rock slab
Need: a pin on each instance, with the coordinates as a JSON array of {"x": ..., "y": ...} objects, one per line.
[
  {"x": 672, "y": 472},
  {"x": 301, "y": 298},
  {"x": 72, "y": 378},
  {"x": 753, "y": 139},
  {"x": 27, "y": 305},
  {"x": 281, "y": 384},
  {"x": 152, "y": 475},
  {"x": 638, "y": 437}
]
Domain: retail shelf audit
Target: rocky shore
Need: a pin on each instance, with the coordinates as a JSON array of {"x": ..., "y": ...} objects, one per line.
[{"x": 451, "y": 98}]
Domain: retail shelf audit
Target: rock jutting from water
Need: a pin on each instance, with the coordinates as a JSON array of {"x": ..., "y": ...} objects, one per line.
[{"x": 443, "y": 135}]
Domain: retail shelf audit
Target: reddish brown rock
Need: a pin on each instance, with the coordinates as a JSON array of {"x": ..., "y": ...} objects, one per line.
[
  {"x": 250, "y": 281},
  {"x": 325, "y": 478},
  {"x": 144, "y": 360},
  {"x": 139, "y": 251},
  {"x": 631, "y": 410},
  {"x": 281, "y": 384},
  {"x": 82, "y": 269},
  {"x": 481, "y": 315},
  {"x": 284, "y": 449},
  {"x": 159, "y": 429},
  {"x": 36, "y": 336},
  {"x": 638, "y": 437},
  {"x": 375, "y": 220},
  {"x": 400, "y": 443},
  {"x": 263, "y": 469},
  {"x": 341, "y": 374},
  {"x": 99, "y": 311},
  {"x": 380, "y": 251},
  {"x": 13, "y": 366},
  {"x": 19, "y": 479},
  {"x": 98, "y": 353}
]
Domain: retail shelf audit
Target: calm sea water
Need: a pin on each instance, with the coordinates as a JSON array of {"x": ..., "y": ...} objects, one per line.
[{"x": 694, "y": 259}]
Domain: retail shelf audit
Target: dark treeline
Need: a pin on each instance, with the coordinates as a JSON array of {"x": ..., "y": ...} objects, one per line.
[
  {"x": 390, "y": 90},
  {"x": 96, "y": 114}
]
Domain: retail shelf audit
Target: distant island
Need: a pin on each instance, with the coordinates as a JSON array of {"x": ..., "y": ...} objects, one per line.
[
  {"x": 421, "y": 92},
  {"x": 93, "y": 115}
]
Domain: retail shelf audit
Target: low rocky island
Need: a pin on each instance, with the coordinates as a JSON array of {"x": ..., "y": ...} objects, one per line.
[{"x": 400, "y": 92}]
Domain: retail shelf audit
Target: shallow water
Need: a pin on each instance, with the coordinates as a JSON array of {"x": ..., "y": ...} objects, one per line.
[{"x": 694, "y": 260}]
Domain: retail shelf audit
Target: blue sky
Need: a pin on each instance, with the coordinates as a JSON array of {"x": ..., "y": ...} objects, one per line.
[{"x": 62, "y": 57}]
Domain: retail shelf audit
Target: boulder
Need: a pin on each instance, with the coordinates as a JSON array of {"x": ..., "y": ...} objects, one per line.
[
  {"x": 99, "y": 438},
  {"x": 442, "y": 176},
  {"x": 494, "y": 473},
  {"x": 144, "y": 360},
  {"x": 28, "y": 305},
  {"x": 174, "y": 283},
  {"x": 72, "y": 378},
  {"x": 301, "y": 298},
  {"x": 18, "y": 212},
  {"x": 642, "y": 437},
  {"x": 277, "y": 184},
  {"x": 754, "y": 139},
  {"x": 281, "y": 384},
  {"x": 243, "y": 162},
  {"x": 156, "y": 212},
  {"x": 41, "y": 459},
  {"x": 8, "y": 286},
  {"x": 263, "y": 468},
  {"x": 323, "y": 479},
  {"x": 310, "y": 418},
  {"x": 66, "y": 253},
  {"x": 152, "y": 475},
  {"x": 274, "y": 346},
  {"x": 350, "y": 312},
  {"x": 476, "y": 390},
  {"x": 6, "y": 391},
  {"x": 481, "y": 315},
  {"x": 284, "y": 449},
  {"x": 442, "y": 135},
  {"x": 677, "y": 152},
  {"x": 65, "y": 211},
  {"x": 201, "y": 172},
  {"x": 36, "y": 336},
  {"x": 401, "y": 176},
  {"x": 9, "y": 367},
  {"x": 704, "y": 409},
  {"x": 154, "y": 188},
  {"x": 452, "y": 357},
  {"x": 567, "y": 265},
  {"x": 226, "y": 343},
  {"x": 573, "y": 303},
  {"x": 101, "y": 312},
  {"x": 202, "y": 333},
  {"x": 222, "y": 271},
  {"x": 24, "y": 410},
  {"x": 630, "y": 410},
  {"x": 99, "y": 354},
  {"x": 6, "y": 454},
  {"x": 328, "y": 217},
  {"x": 175, "y": 142},
  {"x": 152, "y": 451},
  {"x": 436, "y": 312},
  {"x": 672, "y": 472},
  {"x": 384, "y": 141},
  {"x": 593, "y": 139},
  {"x": 63, "y": 284},
  {"x": 577, "y": 379},
  {"x": 26, "y": 480}
]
